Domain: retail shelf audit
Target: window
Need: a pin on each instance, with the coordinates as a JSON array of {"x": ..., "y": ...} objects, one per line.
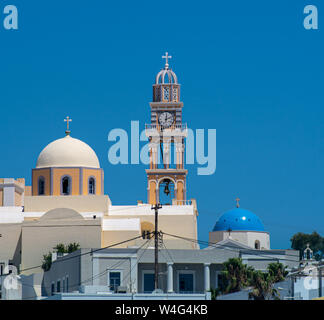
[
  {"x": 67, "y": 284},
  {"x": 92, "y": 186},
  {"x": 66, "y": 186},
  {"x": 166, "y": 93},
  {"x": 41, "y": 186},
  {"x": 1, "y": 269},
  {"x": 63, "y": 285},
  {"x": 148, "y": 282},
  {"x": 257, "y": 244},
  {"x": 58, "y": 286},
  {"x": 219, "y": 280},
  {"x": 186, "y": 281},
  {"x": 174, "y": 94},
  {"x": 52, "y": 288},
  {"x": 114, "y": 280}
]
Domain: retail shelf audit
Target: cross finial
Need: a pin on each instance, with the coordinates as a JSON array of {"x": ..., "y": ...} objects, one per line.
[
  {"x": 67, "y": 120},
  {"x": 166, "y": 57},
  {"x": 237, "y": 202}
]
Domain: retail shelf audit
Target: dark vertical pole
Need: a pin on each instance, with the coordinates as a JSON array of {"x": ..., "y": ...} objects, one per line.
[
  {"x": 319, "y": 281},
  {"x": 156, "y": 242}
]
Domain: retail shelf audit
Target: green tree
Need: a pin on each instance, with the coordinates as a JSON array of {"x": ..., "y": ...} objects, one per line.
[
  {"x": 214, "y": 293},
  {"x": 263, "y": 288},
  {"x": 263, "y": 282},
  {"x": 60, "y": 248},
  {"x": 237, "y": 274},
  {"x": 278, "y": 271},
  {"x": 72, "y": 247},
  {"x": 47, "y": 261},
  {"x": 300, "y": 240}
]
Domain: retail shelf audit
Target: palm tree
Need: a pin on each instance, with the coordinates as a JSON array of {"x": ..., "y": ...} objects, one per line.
[
  {"x": 47, "y": 261},
  {"x": 263, "y": 286},
  {"x": 60, "y": 248},
  {"x": 72, "y": 247},
  {"x": 237, "y": 274},
  {"x": 277, "y": 271}
]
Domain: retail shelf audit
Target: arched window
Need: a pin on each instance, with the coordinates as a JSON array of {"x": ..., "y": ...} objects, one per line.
[
  {"x": 92, "y": 186},
  {"x": 257, "y": 244},
  {"x": 41, "y": 186},
  {"x": 66, "y": 186}
]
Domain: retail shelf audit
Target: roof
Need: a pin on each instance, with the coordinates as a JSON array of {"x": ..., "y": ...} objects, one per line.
[
  {"x": 67, "y": 152},
  {"x": 239, "y": 219}
]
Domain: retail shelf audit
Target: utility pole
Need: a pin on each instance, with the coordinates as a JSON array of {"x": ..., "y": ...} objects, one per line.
[{"x": 156, "y": 208}]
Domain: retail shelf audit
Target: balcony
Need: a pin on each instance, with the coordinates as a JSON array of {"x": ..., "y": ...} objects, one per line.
[
  {"x": 176, "y": 202},
  {"x": 154, "y": 129}
]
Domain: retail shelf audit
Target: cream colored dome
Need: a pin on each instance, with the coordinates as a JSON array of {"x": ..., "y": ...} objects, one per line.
[{"x": 67, "y": 152}]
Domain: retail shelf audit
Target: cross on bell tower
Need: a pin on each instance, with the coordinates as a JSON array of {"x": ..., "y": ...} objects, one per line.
[
  {"x": 166, "y": 132},
  {"x": 166, "y": 57}
]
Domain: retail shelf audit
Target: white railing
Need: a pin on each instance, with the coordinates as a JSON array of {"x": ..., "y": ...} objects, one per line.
[{"x": 176, "y": 202}]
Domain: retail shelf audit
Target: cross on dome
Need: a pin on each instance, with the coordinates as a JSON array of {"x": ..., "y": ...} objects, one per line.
[
  {"x": 237, "y": 202},
  {"x": 166, "y": 57},
  {"x": 67, "y": 120}
]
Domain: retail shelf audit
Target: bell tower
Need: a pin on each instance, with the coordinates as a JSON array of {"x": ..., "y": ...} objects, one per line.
[{"x": 166, "y": 133}]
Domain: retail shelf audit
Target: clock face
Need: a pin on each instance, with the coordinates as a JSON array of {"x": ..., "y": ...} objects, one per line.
[{"x": 166, "y": 119}]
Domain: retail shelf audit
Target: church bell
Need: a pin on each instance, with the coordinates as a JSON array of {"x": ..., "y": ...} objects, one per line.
[{"x": 166, "y": 188}]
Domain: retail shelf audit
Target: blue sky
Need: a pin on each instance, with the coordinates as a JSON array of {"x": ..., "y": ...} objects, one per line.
[{"x": 247, "y": 68}]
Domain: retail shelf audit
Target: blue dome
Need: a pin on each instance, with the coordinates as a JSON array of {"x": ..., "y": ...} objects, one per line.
[{"x": 239, "y": 219}]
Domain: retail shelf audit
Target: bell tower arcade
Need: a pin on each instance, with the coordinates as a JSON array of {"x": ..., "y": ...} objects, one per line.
[{"x": 166, "y": 133}]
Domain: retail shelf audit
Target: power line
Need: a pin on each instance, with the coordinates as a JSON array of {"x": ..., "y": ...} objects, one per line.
[
  {"x": 167, "y": 251},
  {"x": 139, "y": 258},
  {"x": 118, "y": 264},
  {"x": 226, "y": 247},
  {"x": 82, "y": 254}
]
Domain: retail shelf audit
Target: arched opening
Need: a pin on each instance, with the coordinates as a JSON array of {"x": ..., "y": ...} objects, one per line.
[
  {"x": 257, "y": 244},
  {"x": 66, "y": 186},
  {"x": 166, "y": 191},
  {"x": 41, "y": 186},
  {"x": 92, "y": 186},
  {"x": 146, "y": 230}
]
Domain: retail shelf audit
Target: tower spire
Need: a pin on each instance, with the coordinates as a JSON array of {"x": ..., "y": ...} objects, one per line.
[
  {"x": 67, "y": 120},
  {"x": 166, "y": 179},
  {"x": 237, "y": 202}
]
